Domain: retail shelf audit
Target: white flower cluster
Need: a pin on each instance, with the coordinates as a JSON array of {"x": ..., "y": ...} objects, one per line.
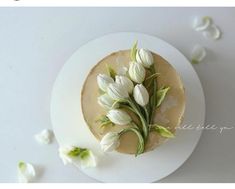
[{"x": 121, "y": 89}]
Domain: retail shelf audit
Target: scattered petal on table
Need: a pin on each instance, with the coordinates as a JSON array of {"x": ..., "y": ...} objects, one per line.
[
  {"x": 26, "y": 172},
  {"x": 198, "y": 54},
  {"x": 213, "y": 32},
  {"x": 201, "y": 24},
  {"x": 44, "y": 137}
]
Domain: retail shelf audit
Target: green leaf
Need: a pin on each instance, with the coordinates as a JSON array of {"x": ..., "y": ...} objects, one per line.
[
  {"x": 153, "y": 98},
  {"x": 163, "y": 131},
  {"x": 161, "y": 94},
  {"x": 104, "y": 121},
  {"x": 111, "y": 71},
  {"x": 141, "y": 143},
  {"x": 134, "y": 51},
  {"x": 153, "y": 76}
]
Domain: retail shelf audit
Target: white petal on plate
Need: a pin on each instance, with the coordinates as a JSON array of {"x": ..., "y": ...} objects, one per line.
[
  {"x": 44, "y": 137},
  {"x": 87, "y": 159},
  {"x": 63, "y": 153},
  {"x": 213, "y": 32},
  {"x": 26, "y": 172},
  {"x": 198, "y": 54},
  {"x": 201, "y": 24}
]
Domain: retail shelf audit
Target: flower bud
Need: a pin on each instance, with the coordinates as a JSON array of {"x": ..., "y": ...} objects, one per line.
[
  {"x": 144, "y": 57},
  {"x": 103, "y": 81},
  {"x": 117, "y": 91},
  {"x": 136, "y": 72},
  {"x": 110, "y": 142},
  {"x": 107, "y": 102},
  {"x": 141, "y": 95},
  {"x": 119, "y": 117},
  {"x": 125, "y": 82}
]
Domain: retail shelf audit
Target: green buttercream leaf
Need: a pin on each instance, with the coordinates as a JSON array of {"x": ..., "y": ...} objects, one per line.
[
  {"x": 161, "y": 94},
  {"x": 134, "y": 51},
  {"x": 112, "y": 73},
  {"x": 163, "y": 131}
]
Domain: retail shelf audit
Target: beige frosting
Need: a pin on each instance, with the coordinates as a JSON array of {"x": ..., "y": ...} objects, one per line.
[{"x": 169, "y": 114}]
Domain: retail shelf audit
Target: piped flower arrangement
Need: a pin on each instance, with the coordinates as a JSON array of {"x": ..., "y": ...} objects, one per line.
[{"x": 135, "y": 91}]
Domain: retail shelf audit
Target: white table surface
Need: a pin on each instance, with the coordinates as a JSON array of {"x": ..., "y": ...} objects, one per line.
[{"x": 35, "y": 43}]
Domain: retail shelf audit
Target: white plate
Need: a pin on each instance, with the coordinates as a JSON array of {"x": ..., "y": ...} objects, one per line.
[{"x": 70, "y": 128}]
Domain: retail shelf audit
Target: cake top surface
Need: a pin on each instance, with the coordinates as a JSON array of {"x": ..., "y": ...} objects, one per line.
[{"x": 169, "y": 113}]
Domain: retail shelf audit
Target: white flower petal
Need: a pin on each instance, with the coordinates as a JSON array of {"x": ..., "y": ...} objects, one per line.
[
  {"x": 198, "y": 54},
  {"x": 144, "y": 57},
  {"x": 26, "y": 172},
  {"x": 213, "y": 32},
  {"x": 44, "y": 137},
  {"x": 110, "y": 142},
  {"x": 107, "y": 102},
  {"x": 141, "y": 95},
  {"x": 119, "y": 117},
  {"x": 117, "y": 91},
  {"x": 136, "y": 72},
  {"x": 63, "y": 153},
  {"x": 87, "y": 159},
  {"x": 103, "y": 81},
  {"x": 125, "y": 82},
  {"x": 201, "y": 24},
  {"x": 80, "y": 157}
]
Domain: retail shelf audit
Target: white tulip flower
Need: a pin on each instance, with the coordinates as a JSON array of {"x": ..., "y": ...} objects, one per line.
[
  {"x": 110, "y": 142},
  {"x": 26, "y": 172},
  {"x": 119, "y": 117},
  {"x": 141, "y": 95},
  {"x": 107, "y": 102},
  {"x": 125, "y": 82},
  {"x": 144, "y": 57},
  {"x": 117, "y": 91},
  {"x": 44, "y": 137},
  {"x": 79, "y": 157},
  {"x": 136, "y": 72},
  {"x": 103, "y": 81}
]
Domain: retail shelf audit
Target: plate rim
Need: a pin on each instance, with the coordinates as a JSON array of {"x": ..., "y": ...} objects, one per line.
[{"x": 147, "y": 35}]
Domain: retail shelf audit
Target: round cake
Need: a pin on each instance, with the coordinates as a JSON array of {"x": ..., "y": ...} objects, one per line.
[{"x": 169, "y": 114}]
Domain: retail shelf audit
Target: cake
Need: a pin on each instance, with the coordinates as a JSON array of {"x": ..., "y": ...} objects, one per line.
[{"x": 169, "y": 114}]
